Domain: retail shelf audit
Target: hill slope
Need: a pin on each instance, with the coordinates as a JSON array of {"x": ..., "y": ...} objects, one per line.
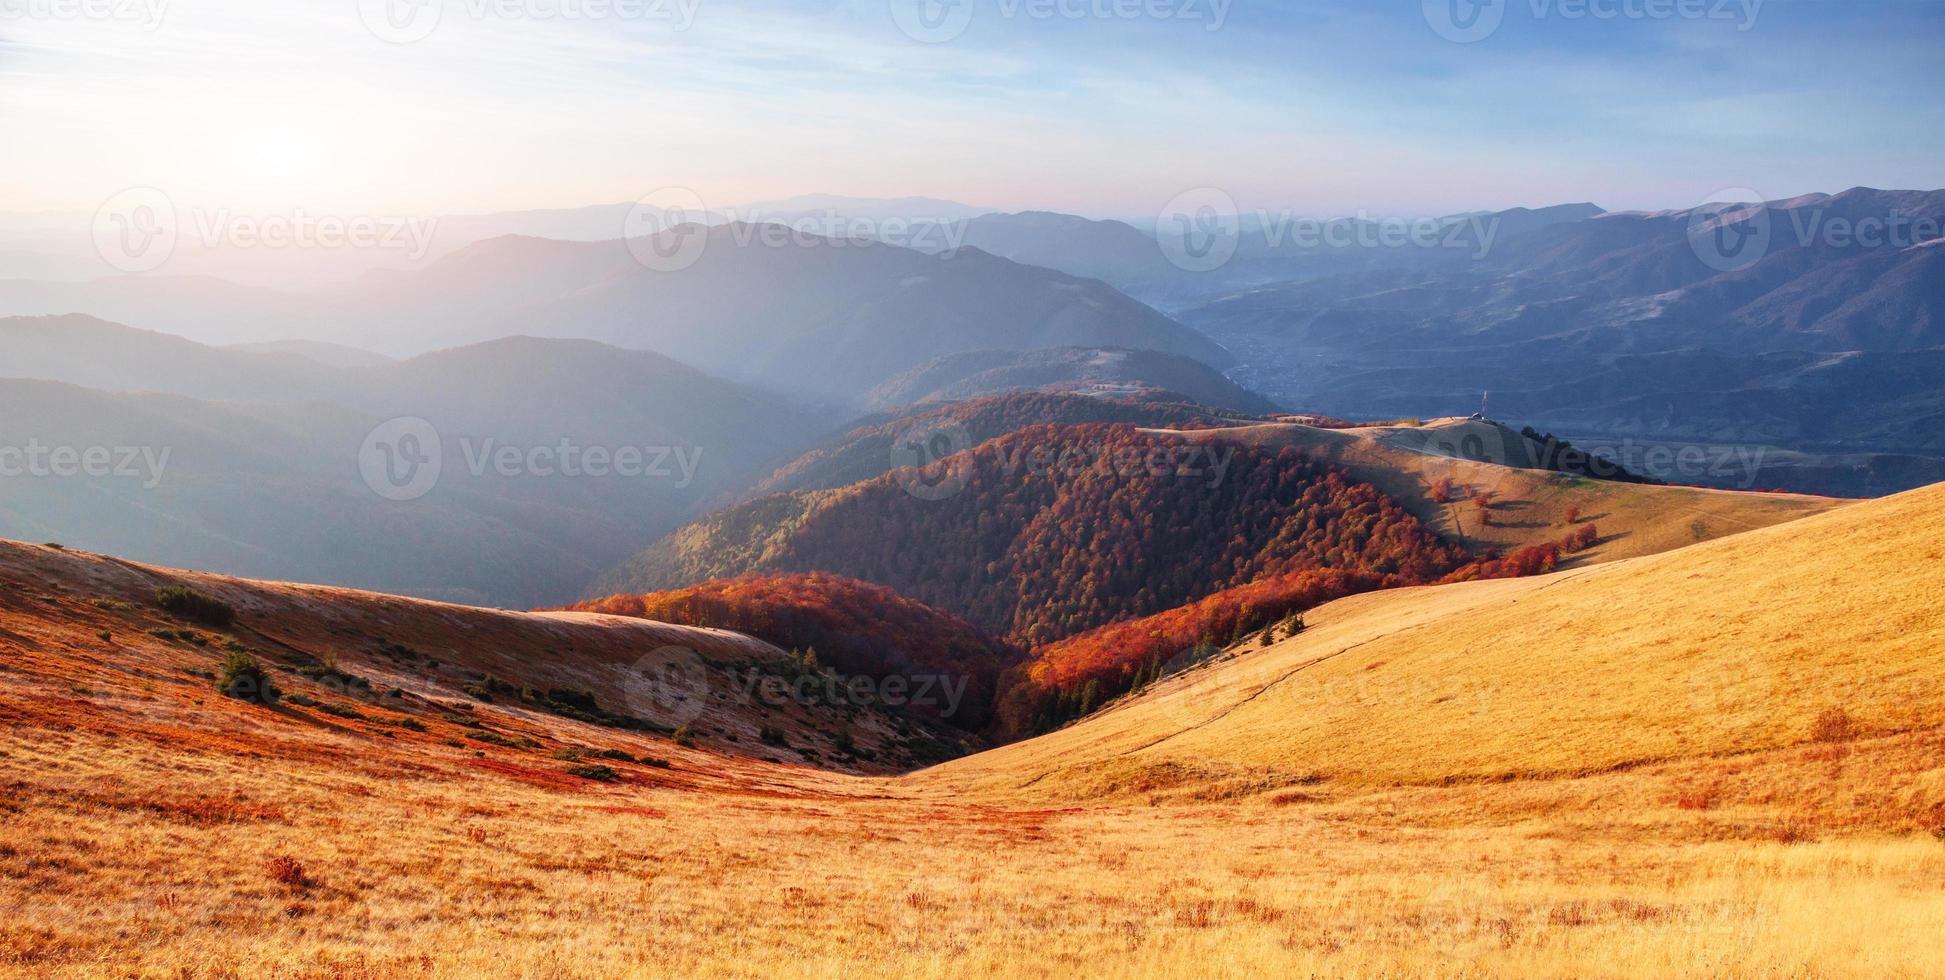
[
  {"x": 1529, "y": 504},
  {"x": 1829, "y": 627},
  {"x": 418, "y": 671},
  {"x": 1052, "y": 530},
  {"x": 178, "y": 828}
]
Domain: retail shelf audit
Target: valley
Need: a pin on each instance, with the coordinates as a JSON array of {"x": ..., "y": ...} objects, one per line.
[{"x": 1426, "y": 780}]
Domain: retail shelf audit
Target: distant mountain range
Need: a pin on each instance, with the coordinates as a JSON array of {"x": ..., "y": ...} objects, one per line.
[
  {"x": 1106, "y": 371},
  {"x": 759, "y": 304},
  {"x": 1820, "y": 335},
  {"x": 266, "y": 455}
]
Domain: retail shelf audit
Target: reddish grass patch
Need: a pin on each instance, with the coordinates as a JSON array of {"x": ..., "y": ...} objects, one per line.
[
  {"x": 287, "y": 871},
  {"x": 544, "y": 778}
]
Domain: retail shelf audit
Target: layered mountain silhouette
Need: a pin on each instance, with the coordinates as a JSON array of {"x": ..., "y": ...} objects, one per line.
[
  {"x": 1640, "y": 325},
  {"x": 757, "y": 303},
  {"x": 262, "y": 457}
]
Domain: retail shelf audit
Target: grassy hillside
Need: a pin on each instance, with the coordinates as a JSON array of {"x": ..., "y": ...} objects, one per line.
[
  {"x": 1528, "y": 506},
  {"x": 1192, "y": 831},
  {"x": 859, "y": 628},
  {"x": 1825, "y": 629}
]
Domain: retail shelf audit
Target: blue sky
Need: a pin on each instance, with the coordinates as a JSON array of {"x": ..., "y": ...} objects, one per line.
[{"x": 1321, "y": 108}]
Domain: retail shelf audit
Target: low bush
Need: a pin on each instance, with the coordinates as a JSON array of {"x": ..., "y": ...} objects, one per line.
[
  {"x": 1833, "y": 725},
  {"x": 242, "y": 678},
  {"x": 189, "y": 604},
  {"x": 286, "y": 871},
  {"x": 599, "y": 774}
]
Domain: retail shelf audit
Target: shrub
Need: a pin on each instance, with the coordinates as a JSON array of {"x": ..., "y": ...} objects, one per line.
[
  {"x": 495, "y": 738},
  {"x": 684, "y": 737},
  {"x": 111, "y": 605},
  {"x": 771, "y": 736},
  {"x": 242, "y": 678},
  {"x": 196, "y": 607},
  {"x": 1833, "y": 725},
  {"x": 600, "y": 774},
  {"x": 584, "y": 700},
  {"x": 285, "y": 870},
  {"x": 655, "y": 763},
  {"x": 614, "y": 754}
]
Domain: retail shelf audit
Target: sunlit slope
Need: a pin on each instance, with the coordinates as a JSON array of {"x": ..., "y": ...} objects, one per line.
[
  {"x": 1751, "y": 642},
  {"x": 84, "y": 645},
  {"x": 1529, "y": 505}
]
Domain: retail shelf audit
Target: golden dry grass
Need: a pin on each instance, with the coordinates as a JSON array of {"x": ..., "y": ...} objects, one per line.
[
  {"x": 1530, "y": 506},
  {"x": 1547, "y": 797},
  {"x": 1735, "y": 645}
]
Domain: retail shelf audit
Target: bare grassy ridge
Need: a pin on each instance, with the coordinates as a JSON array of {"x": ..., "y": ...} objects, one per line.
[
  {"x": 1523, "y": 784},
  {"x": 1528, "y": 506}
]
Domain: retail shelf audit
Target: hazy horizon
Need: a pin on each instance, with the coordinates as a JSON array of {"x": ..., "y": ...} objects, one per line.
[{"x": 1084, "y": 106}]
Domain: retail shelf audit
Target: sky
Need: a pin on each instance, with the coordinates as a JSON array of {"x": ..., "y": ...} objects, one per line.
[{"x": 1099, "y": 107}]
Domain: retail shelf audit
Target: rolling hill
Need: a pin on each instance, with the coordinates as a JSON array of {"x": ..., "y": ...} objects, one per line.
[
  {"x": 860, "y": 629},
  {"x": 1672, "y": 762},
  {"x": 1528, "y": 503},
  {"x": 1054, "y": 529},
  {"x": 1825, "y": 629}
]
